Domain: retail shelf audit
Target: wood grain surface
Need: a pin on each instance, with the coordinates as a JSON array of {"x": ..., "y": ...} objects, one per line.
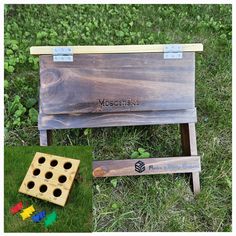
[
  {"x": 146, "y": 166},
  {"x": 91, "y": 120},
  {"x": 96, "y": 83},
  {"x": 189, "y": 147},
  {"x": 45, "y": 137}
]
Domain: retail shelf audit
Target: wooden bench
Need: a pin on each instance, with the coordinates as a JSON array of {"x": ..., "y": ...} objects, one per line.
[{"x": 105, "y": 86}]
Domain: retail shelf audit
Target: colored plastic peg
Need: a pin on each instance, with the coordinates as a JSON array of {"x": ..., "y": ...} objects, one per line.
[
  {"x": 39, "y": 216},
  {"x": 27, "y": 212},
  {"x": 50, "y": 219},
  {"x": 16, "y": 208}
]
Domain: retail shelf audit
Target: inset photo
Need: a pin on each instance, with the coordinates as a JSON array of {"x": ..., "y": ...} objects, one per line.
[{"x": 48, "y": 189}]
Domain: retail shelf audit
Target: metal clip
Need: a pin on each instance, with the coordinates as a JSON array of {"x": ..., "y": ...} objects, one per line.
[
  {"x": 173, "y": 51},
  {"x": 62, "y": 54}
]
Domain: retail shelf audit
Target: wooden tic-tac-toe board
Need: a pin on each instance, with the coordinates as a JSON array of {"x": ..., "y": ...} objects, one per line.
[{"x": 50, "y": 178}]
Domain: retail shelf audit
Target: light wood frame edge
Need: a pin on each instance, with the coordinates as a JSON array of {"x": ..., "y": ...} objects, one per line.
[{"x": 48, "y": 50}]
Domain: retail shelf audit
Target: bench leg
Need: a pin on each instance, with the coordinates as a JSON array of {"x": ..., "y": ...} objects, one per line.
[
  {"x": 189, "y": 148},
  {"x": 45, "y": 137}
]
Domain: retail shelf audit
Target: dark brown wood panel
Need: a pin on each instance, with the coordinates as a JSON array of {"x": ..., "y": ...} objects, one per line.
[
  {"x": 146, "y": 166},
  {"x": 45, "y": 137},
  {"x": 115, "y": 119},
  {"x": 96, "y": 83},
  {"x": 189, "y": 147}
]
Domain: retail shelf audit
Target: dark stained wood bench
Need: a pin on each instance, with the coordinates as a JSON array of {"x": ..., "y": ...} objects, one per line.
[{"x": 105, "y": 86}]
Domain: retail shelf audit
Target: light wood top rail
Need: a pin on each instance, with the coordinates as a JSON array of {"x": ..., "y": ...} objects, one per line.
[{"x": 47, "y": 50}]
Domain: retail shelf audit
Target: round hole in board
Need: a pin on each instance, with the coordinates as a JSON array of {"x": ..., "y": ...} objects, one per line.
[
  {"x": 48, "y": 175},
  {"x": 30, "y": 185},
  {"x": 54, "y": 163},
  {"x": 41, "y": 160},
  {"x": 67, "y": 165},
  {"x": 62, "y": 179},
  {"x": 57, "y": 192},
  {"x": 36, "y": 172},
  {"x": 43, "y": 188}
]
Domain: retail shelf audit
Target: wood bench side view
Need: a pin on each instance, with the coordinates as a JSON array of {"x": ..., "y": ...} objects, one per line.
[{"x": 106, "y": 86}]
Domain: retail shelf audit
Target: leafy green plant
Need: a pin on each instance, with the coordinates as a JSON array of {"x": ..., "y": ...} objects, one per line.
[
  {"x": 140, "y": 153},
  {"x": 88, "y": 134},
  {"x": 16, "y": 110},
  {"x": 114, "y": 182},
  {"x": 33, "y": 115},
  {"x": 115, "y": 206}
]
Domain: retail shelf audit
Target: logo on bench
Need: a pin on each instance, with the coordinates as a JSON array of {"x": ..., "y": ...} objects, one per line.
[
  {"x": 139, "y": 166},
  {"x": 118, "y": 103}
]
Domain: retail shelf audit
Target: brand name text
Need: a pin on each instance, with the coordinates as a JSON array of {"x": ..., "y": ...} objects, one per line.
[{"x": 118, "y": 103}]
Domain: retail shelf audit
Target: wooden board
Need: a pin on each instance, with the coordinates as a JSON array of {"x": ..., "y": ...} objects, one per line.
[
  {"x": 189, "y": 147},
  {"x": 43, "y": 50},
  {"x": 96, "y": 83},
  {"x": 50, "y": 178},
  {"x": 115, "y": 119},
  {"x": 186, "y": 164}
]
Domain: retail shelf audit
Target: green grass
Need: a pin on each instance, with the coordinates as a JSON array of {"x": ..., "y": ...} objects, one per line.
[
  {"x": 150, "y": 203},
  {"x": 76, "y": 216}
]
